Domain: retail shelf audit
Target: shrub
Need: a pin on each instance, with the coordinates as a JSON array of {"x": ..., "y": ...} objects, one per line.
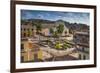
[{"x": 58, "y": 45}]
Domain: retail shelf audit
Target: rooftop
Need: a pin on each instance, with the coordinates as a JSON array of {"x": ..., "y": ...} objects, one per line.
[{"x": 82, "y": 33}]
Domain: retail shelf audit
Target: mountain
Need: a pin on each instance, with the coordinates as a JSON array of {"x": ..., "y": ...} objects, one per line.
[
  {"x": 40, "y": 21},
  {"x": 49, "y": 24},
  {"x": 77, "y": 26}
]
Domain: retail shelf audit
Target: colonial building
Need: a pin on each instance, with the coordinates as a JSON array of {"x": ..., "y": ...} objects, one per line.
[
  {"x": 30, "y": 52},
  {"x": 66, "y": 30},
  {"x": 45, "y": 32},
  {"x": 27, "y": 30},
  {"x": 81, "y": 39},
  {"x": 81, "y": 54}
]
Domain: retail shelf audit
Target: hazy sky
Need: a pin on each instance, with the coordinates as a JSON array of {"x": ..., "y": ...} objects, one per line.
[{"x": 72, "y": 17}]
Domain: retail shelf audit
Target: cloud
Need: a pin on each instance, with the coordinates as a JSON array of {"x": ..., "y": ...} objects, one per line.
[{"x": 55, "y": 15}]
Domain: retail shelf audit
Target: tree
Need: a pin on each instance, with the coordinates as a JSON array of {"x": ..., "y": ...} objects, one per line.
[
  {"x": 60, "y": 29},
  {"x": 55, "y": 35},
  {"x": 32, "y": 30},
  {"x": 38, "y": 29},
  {"x": 51, "y": 31},
  {"x": 66, "y": 32},
  {"x": 58, "y": 45},
  {"x": 72, "y": 31}
]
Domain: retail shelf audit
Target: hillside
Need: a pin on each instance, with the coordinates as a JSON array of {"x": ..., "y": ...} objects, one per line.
[{"x": 49, "y": 24}]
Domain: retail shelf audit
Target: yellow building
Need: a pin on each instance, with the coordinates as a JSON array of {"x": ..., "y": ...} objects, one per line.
[
  {"x": 30, "y": 52},
  {"x": 27, "y": 30}
]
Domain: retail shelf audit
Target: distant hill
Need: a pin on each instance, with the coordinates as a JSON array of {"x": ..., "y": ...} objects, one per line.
[
  {"x": 41, "y": 21},
  {"x": 49, "y": 24},
  {"x": 77, "y": 27}
]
